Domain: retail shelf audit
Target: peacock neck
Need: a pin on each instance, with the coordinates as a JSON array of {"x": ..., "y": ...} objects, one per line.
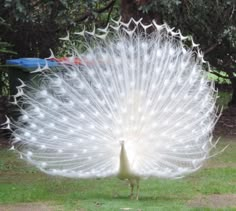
[{"x": 124, "y": 170}]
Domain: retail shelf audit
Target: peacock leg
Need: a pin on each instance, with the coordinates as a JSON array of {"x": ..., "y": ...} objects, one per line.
[
  {"x": 131, "y": 182},
  {"x": 137, "y": 194}
]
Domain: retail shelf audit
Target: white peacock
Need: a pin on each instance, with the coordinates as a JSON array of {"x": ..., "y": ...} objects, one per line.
[{"x": 140, "y": 105}]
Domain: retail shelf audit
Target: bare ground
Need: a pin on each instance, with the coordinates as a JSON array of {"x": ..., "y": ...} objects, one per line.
[
  {"x": 39, "y": 206},
  {"x": 214, "y": 201}
]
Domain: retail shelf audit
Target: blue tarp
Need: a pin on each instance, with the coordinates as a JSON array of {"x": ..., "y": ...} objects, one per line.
[{"x": 31, "y": 62}]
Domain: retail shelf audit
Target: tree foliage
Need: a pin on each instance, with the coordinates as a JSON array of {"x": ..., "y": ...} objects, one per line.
[{"x": 34, "y": 26}]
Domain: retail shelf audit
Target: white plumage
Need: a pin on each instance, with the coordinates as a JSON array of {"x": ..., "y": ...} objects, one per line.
[{"x": 140, "y": 105}]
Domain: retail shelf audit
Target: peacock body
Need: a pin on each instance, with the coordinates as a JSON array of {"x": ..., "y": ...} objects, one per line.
[{"x": 138, "y": 105}]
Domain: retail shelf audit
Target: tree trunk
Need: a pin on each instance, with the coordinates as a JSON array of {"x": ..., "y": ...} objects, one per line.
[
  {"x": 232, "y": 103},
  {"x": 130, "y": 9}
]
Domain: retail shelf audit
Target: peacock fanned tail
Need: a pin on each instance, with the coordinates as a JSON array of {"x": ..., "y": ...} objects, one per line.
[{"x": 147, "y": 90}]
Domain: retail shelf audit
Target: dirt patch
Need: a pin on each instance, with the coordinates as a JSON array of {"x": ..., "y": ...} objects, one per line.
[
  {"x": 214, "y": 201},
  {"x": 220, "y": 165},
  {"x": 30, "y": 207}
]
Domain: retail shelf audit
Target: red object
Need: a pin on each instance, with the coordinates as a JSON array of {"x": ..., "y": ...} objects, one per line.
[{"x": 68, "y": 60}]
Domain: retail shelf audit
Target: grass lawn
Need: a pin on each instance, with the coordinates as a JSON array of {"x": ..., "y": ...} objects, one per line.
[{"x": 213, "y": 187}]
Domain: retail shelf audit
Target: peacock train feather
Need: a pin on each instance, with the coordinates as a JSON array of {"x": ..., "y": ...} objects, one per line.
[{"x": 138, "y": 105}]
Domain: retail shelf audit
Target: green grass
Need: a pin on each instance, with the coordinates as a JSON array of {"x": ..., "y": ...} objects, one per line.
[{"x": 20, "y": 182}]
